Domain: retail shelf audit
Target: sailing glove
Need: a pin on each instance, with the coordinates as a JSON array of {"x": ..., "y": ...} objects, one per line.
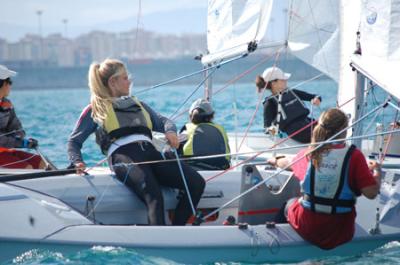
[{"x": 30, "y": 143}]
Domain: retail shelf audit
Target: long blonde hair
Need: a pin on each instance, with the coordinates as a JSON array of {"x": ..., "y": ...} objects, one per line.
[
  {"x": 330, "y": 123},
  {"x": 101, "y": 95}
]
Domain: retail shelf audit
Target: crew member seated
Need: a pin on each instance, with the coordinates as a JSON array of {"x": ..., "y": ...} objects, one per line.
[
  {"x": 12, "y": 134},
  {"x": 332, "y": 177},
  {"x": 203, "y": 137}
]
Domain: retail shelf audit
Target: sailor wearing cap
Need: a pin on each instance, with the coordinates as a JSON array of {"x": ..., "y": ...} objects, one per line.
[
  {"x": 284, "y": 108},
  {"x": 12, "y": 134},
  {"x": 205, "y": 138}
]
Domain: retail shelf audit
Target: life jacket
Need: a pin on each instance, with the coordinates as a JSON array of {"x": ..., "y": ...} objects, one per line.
[
  {"x": 292, "y": 108},
  {"x": 125, "y": 117},
  {"x": 326, "y": 190},
  {"x": 6, "y": 109},
  {"x": 5, "y": 105},
  {"x": 207, "y": 139}
]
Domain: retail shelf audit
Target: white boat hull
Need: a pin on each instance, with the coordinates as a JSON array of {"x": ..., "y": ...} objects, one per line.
[
  {"x": 194, "y": 245},
  {"x": 59, "y": 222}
]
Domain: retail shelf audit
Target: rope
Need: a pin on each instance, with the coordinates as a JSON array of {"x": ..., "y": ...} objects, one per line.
[
  {"x": 256, "y": 152},
  {"x": 389, "y": 139},
  {"x": 274, "y": 145},
  {"x": 139, "y": 15},
  {"x": 184, "y": 182},
  {"x": 258, "y": 104},
  {"x": 12, "y": 132},
  {"x": 19, "y": 161},
  {"x": 47, "y": 162},
  {"x": 191, "y": 94},
  {"x": 191, "y": 74},
  {"x": 240, "y": 163},
  {"x": 234, "y": 80},
  {"x": 289, "y": 165}
]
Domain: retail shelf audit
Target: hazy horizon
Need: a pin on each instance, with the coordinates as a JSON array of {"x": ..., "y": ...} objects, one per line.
[{"x": 73, "y": 18}]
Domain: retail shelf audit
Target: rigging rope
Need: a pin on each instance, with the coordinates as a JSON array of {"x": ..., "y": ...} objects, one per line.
[
  {"x": 171, "y": 117},
  {"x": 12, "y": 132},
  {"x": 139, "y": 15},
  {"x": 178, "y": 161},
  {"x": 290, "y": 164},
  {"x": 234, "y": 80},
  {"x": 191, "y": 74},
  {"x": 269, "y": 150},
  {"x": 19, "y": 161},
  {"x": 390, "y": 137},
  {"x": 260, "y": 98},
  {"x": 276, "y": 144}
]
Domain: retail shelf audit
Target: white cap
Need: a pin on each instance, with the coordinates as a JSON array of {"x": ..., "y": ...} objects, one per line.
[
  {"x": 6, "y": 73},
  {"x": 274, "y": 73},
  {"x": 202, "y": 104}
]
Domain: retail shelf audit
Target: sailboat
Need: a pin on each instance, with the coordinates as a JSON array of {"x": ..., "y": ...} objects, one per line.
[{"x": 65, "y": 212}]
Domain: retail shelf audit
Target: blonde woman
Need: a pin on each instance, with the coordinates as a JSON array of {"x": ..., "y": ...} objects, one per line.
[
  {"x": 331, "y": 178},
  {"x": 123, "y": 127}
]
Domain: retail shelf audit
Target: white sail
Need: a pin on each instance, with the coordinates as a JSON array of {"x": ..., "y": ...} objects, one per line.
[
  {"x": 232, "y": 25},
  {"x": 323, "y": 35},
  {"x": 314, "y": 34},
  {"x": 380, "y": 44}
]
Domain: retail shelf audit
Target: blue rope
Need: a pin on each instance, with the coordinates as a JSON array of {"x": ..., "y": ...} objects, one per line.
[{"x": 127, "y": 173}]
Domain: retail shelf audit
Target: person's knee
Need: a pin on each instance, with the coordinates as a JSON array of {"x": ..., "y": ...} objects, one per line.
[
  {"x": 202, "y": 184},
  {"x": 42, "y": 164},
  {"x": 27, "y": 166},
  {"x": 198, "y": 185}
]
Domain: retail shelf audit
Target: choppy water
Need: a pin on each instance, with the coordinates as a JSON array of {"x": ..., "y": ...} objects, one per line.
[
  {"x": 50, "y": 115},
  {"x": 103, "y": 255}
]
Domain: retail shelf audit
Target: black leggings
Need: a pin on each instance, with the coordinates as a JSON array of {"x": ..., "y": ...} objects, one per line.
[
  {"x": 281, "y": 216},
  {"x": 305, "y": 135},
  {"x": 145, "y": 180}
]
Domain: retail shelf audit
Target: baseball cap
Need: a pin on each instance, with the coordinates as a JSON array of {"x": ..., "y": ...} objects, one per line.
[
  {"x": 6, "y": 73},
  {"x": 274, "y": 73},
  {"x": 202, "y": 104}
]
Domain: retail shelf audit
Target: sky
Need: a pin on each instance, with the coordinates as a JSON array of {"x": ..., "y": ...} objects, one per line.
[{"x": 19, "y": 17}]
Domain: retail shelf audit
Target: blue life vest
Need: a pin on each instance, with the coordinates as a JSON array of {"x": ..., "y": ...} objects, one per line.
[{"x": 326, "y": 190}]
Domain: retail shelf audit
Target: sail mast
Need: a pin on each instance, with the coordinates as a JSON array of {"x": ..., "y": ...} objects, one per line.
[{"x": 350, "y": 87}]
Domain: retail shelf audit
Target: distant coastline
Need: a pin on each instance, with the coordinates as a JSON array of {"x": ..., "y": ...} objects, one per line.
[{"x": 152, "y": 72}]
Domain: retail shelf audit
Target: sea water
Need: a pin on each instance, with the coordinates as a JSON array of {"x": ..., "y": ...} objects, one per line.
[{"x": 50, "y": 115}]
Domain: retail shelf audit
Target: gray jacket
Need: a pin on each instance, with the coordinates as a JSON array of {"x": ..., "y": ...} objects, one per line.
[
  {"x": 11, "y": 132},
  {"x": 86, "y": 126}
]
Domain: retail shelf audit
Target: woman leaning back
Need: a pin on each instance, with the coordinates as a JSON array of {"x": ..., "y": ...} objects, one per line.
[
  {"x": 331, "y": 176},
  {"x": 123, "y": 127}
]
